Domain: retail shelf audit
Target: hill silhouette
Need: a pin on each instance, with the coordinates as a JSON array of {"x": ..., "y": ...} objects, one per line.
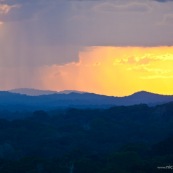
[
  {"x": 77, "y": 99},
  {"x": 123, "y": 139}
]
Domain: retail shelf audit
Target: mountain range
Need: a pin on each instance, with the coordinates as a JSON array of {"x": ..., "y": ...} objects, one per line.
[
  {"x": 19, "y": 99},
  {"x": 37, "y": 92}
]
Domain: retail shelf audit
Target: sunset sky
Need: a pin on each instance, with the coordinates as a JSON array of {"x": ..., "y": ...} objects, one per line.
[{"x": 111, "y": 47}]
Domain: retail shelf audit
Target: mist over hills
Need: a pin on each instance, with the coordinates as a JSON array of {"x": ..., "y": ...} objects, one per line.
[
  {"x": 37, "y": 92},
  {"x": 38, "y": 99},
  {"x": 31, "y": 91}
]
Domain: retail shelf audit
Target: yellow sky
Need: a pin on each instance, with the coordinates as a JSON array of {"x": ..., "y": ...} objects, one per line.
[{"x": 114, "y": 71}]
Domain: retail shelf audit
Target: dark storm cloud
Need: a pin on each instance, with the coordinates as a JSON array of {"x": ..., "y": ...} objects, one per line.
[
  {"x": 54, "y": 32},
  {"x": 164, "y": 0},
  {"x": 38, "y": 34}
]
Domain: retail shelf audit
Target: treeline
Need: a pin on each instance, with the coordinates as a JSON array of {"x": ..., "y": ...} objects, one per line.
[{"x": 132, "y": 139}]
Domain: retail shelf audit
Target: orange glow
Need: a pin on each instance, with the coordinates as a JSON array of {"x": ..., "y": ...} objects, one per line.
[{"x": 114, "y": 71}]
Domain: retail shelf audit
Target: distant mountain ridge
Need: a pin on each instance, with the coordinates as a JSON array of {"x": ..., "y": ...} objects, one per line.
[
  {"x": 31, "y": 92},
  {"x": 66, "y": 99},
  {"x": 37, "y": 92}
]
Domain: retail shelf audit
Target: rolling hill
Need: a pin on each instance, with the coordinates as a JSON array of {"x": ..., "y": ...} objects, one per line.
[{"x": 53, "y": 100}]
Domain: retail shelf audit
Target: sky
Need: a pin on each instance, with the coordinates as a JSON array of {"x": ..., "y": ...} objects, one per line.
[{"x": 110, "y": 47}]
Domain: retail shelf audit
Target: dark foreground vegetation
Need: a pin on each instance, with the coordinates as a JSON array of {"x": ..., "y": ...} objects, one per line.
[{"x": 133, "y": 139}]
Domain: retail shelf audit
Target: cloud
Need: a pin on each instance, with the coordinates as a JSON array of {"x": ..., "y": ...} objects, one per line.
[
  {"x": 99, "y": 70},
  {"x": 11, "y": 77},
  {"x": 134, "y": 60},
  {"x": 130, "y": 7},
  {"x": 144, "y": 58},
  {"x": 26, "y": 55},
  {"x": 148, "y": 69},
  {"x": 49, "y": 37},
  {"x": 164, "y": 0},
  {"x": 157, "y": 77},
  {"x": 5, "y": 8},
  {"x": 79, "y": 23},
  {"x": 168, "y": 19}
]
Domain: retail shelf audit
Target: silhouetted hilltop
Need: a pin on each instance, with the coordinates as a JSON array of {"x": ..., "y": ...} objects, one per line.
[
  {"x": 77, "y": 99},
  {"x": 148, "y": 98}
]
